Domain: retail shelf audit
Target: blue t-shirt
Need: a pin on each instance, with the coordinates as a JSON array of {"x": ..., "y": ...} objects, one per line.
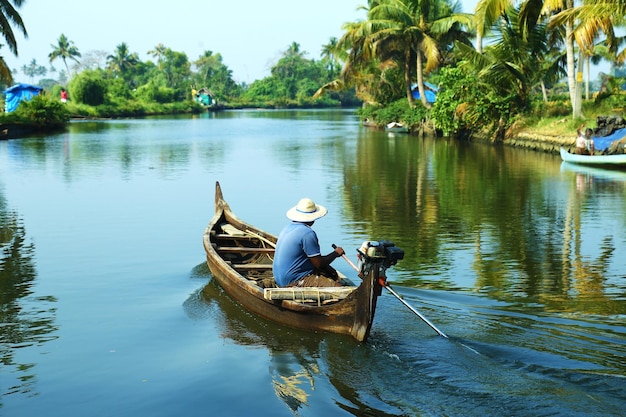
[{"x": 297, "y": 242}]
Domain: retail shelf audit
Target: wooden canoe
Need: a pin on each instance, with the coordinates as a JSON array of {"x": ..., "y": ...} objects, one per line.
[
  {"x": 610, "y": 161},
  {"x": 240, "y": 259}
]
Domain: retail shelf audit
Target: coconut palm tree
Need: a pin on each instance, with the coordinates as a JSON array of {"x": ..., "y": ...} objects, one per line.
[
  {"x": 516, "y": 61},
  {"x": 595, "y": 17},
  {"x": 158, "y": 52},
  {"x": 65, "y": 50},
  {"x": 10, "y": 17},
  {"x": 122, "y": 61},
  {"x": 488, "y": 12},
  {"x": 407, "y": 31},
  {"x": 361, "y": 68},
  {"x": 332, "y": 55}
]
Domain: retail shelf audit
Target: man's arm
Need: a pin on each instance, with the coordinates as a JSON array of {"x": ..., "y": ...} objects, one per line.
[{"x": 320, "y": 261}]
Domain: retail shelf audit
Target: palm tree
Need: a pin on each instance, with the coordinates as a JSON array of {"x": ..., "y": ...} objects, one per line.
[
  {"x": 407, "y": 30},
  {"x": 361, "y": 66},
  {"x": 65, "y": 50},
  {"x": 597, "y": 16},
  {"x": 158, "y": 52},
  {"x": 361, "y": 69},
  {"x": 486, "y": 13},
  {"x": 294, "y": 51},
  {"x": 516, "y": 62},
  {"x": 8, "y": 17},
  {"x": 122, "y": 60},
  {"x": 332, "y": 55}
]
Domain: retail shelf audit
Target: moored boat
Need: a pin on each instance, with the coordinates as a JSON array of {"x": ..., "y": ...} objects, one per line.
[
  {"x": 395, "y": 127},
  {"x": 240, "y": 255},
  {"x": 610, "y": 161}
]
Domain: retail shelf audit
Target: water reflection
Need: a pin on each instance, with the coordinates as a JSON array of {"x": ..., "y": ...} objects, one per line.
[
  {"x": 458, "y": 207},
  {"x": 292, "y": 355},
  {"x": 535, "y": 249},
  {"x": 508, "y": 364},
  {"x": 26, "y": 320},
  {"x": 90, "y": 146},
  {"x": 295, "y": 357}
]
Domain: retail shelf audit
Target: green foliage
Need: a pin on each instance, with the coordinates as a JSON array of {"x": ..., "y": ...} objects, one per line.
[
  {"x": 555, "y": 108},
  {"x": 117, "y": 89},
  {"x": 42, "y": 112},
  {"x": 398, "y": 111},
  {"x": 155, "y": 93},
  {"x": 88, "y": 87},
  {"x": 465, "y": 105},
  {"x": 293, "y": 82},
  {"x": 54, "y": 90}
]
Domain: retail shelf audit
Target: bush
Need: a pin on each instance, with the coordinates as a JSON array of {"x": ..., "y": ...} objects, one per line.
[
  {"x": 152, "y": 92},
  {"x": 398, "y": 111},
  {"x": 42, "y": 112},
  {"x": 463, "y": 105},
  {"x": 88, "y": 87}
]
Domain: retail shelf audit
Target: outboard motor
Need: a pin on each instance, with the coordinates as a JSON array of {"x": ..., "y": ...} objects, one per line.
[{"x": 383, "y": 252}]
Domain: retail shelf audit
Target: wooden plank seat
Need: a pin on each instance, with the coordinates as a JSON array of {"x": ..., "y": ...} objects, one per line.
[
  {"x": 318, "y": 294},
  {"x": 236, "y": 237},
  {"x": 261, "y": 267},
  {"x": 243, "y": 249}
]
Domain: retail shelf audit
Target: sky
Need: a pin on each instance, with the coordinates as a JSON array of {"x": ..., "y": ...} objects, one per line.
[{"x": 250, "y": 35}]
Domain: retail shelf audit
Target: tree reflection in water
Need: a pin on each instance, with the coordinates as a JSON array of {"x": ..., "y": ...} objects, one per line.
[
  {"x": 494, "y": 211},
  {"x": 25, "y": 319}
]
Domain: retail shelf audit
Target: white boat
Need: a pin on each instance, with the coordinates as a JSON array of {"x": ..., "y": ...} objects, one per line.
[
  {"x": 611, "y": 161},
  {"x": 396, "y": 127}
]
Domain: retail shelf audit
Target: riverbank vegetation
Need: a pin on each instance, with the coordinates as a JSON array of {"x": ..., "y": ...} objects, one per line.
[{"x": 507, "y": 66}]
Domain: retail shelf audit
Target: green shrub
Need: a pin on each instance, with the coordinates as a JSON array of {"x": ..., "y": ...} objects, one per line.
[
  {"x": 88, "y": 87},
  {"x": 398, "y": 111},
  {"x": 464, "y": 105},
  {"x": 151, "y": 92},
  {"x": 43, "y": 112}
]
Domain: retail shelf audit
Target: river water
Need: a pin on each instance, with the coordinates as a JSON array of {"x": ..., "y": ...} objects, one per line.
[{"x": 107, "y": 307}]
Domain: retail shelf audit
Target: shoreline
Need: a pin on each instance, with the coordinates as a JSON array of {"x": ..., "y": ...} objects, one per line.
[{"x": 540, "y": 142}]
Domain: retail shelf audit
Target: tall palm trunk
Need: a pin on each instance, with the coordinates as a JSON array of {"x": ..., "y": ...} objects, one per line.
[
  {"x": 67, "y": 67},
  {"x": 571, "y": 64},
  {"x": 407, "y": 77},
  {"x": 578, "y": 106},
  {"x": 587, "y": 76},
  {"x": 420, "y": 79}
]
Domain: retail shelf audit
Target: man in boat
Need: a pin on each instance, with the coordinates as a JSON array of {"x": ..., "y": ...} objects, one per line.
[
  {"x": 298, "y": 261},
  {"x": 584, "y": 141}
]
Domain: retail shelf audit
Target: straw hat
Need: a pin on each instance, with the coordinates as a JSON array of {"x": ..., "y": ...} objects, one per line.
[{"x": 306, "y": 211}]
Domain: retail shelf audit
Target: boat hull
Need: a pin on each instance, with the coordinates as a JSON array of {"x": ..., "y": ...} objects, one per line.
[
  {"x": 609, "y": 161},
  {"x": 352, "y": 315}
]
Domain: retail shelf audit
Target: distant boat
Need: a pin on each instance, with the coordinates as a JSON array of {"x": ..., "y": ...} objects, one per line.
[
  {"x": 396, "y": 127},
  {"x": 609, "y": 161},
  {"x": 206, "y": 98}
]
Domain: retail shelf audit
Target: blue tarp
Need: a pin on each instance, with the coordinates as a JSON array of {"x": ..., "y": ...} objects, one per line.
[
  {"x": 430, "y": 92},
  {"x": 603, "y": 142},
  {"x": 17, "y": 93}
]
